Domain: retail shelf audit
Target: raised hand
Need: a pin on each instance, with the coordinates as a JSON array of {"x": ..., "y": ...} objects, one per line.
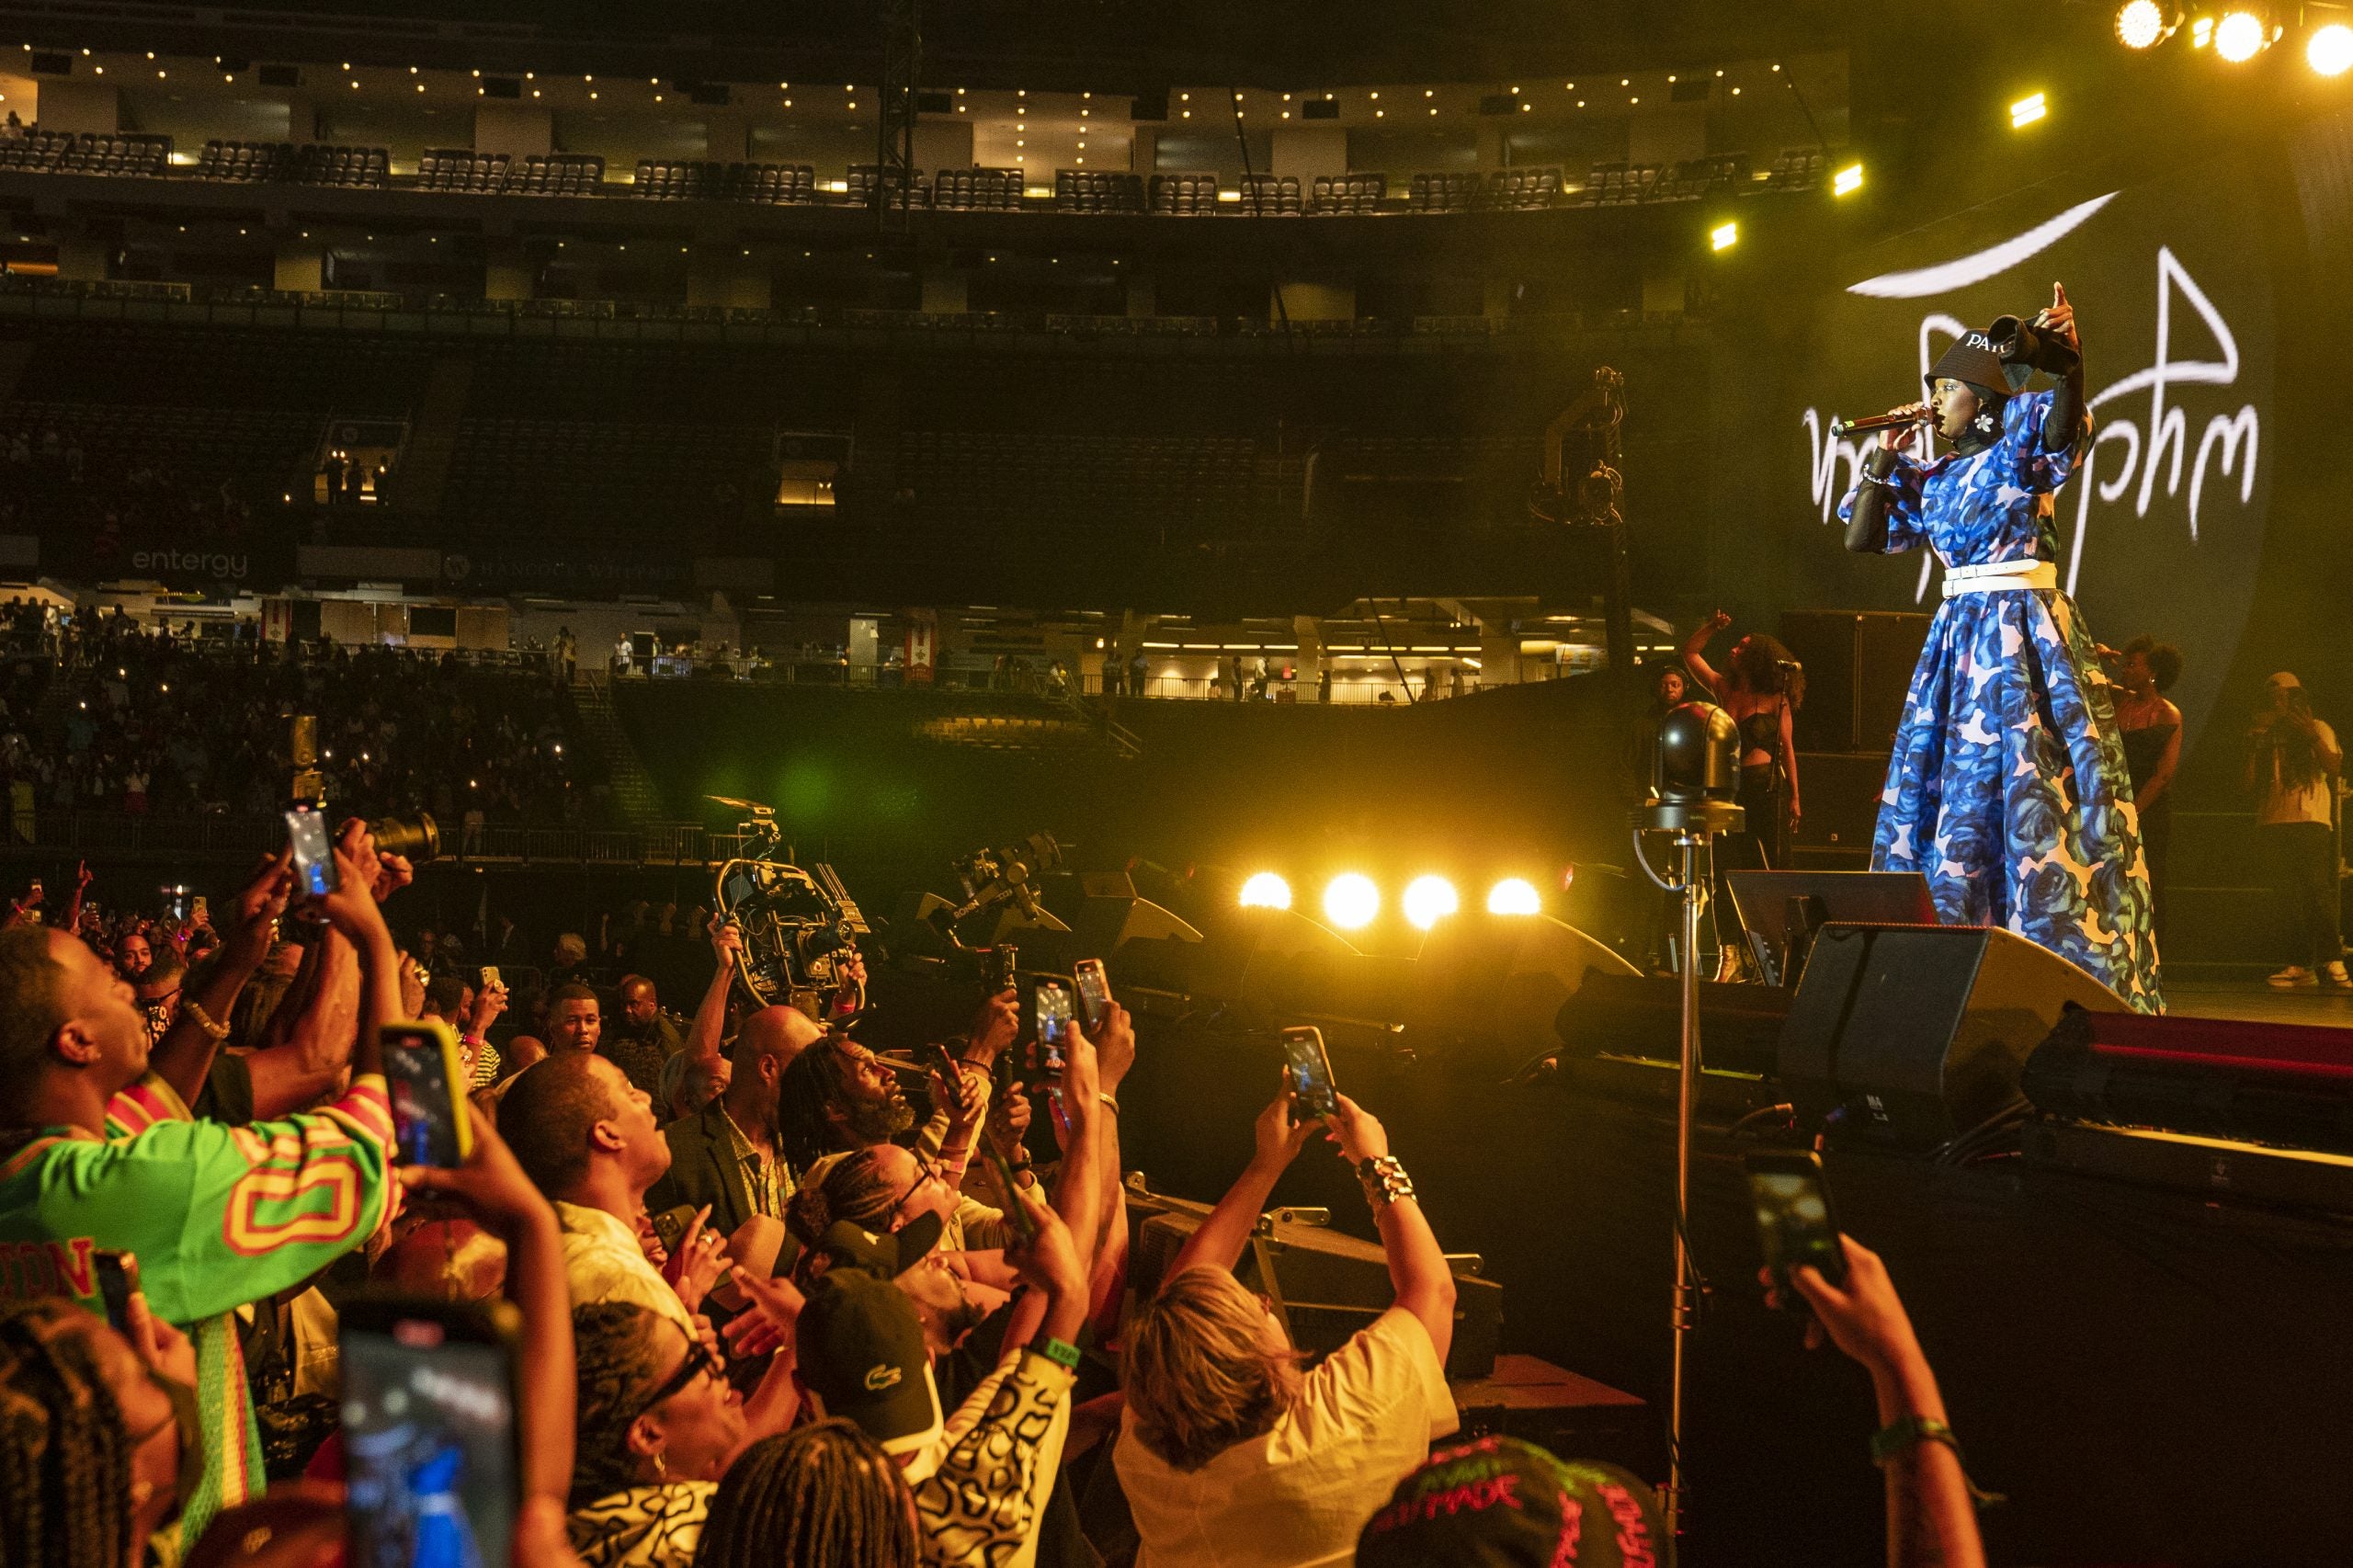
[
  {"x": 2059, "y": 320},
  {"x": 1278, "y": 1138},
  {"x": 1357, "y": 1130}
]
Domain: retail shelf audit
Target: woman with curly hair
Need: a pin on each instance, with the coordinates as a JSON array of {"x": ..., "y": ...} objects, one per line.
[{"x": 1762, "y": 688}]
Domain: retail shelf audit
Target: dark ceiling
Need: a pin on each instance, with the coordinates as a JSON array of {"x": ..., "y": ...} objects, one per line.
[{"x": 1262, "y": 42}]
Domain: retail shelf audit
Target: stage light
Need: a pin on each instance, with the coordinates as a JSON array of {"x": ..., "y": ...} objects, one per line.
[
  {"x": 2330, "y": 50},
  {"x": 2027, "y": 111},
  {"x": 2241, "y": 35},
  {"x": 2145, "y": 24},
  {"x": 1515, "y": 895},
  {"x": 1724, "y": 236},
  {"x": 1846, "y": 180},
  {"x": 1429, "y": 900},
  {"x": 1265, "y": 890},
  {"x": 1350, "y": 901}
]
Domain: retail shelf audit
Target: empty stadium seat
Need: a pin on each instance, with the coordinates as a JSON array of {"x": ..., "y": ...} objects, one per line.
[
  {"x": 1097, "y": 190},
  {"x": 770, "y": 184},
  {"x": 977, "y": 190},
  {"x": 1796, "y": 168},
  {"x": 1519, "y": 190},
  {"x": 89, "y": 153},
  {"x": 865, "y": 177},
  {"x": 1342, "y": 195},
  {"x": 659, "y": 179},
  {"x": 555, "y": 174},
  {"x": 1184, "y": 195},
  {"x": 1269, "y": 196},
  {"x": 1450, "y": 191}
]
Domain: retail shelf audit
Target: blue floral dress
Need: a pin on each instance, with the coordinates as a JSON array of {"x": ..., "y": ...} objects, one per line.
[{"x": 2008, "y": 788}]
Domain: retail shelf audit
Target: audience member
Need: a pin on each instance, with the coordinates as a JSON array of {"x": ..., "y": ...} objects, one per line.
[
  {"x": 643, "y": 1038},
  {"x": 1228, "y": 1449},
  {"x": 728, "y": 1158},
  {"x": 823, "y": 1494},
  {"x": 589, "y": 1141},
  {"x": 206, "y": 1207},
  {"x": 1503, "y": 1503}
]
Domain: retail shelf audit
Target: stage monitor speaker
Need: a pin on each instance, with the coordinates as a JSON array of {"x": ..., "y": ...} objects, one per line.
[
  {"x": 1323, "y": 1286},
  {"x": 1842, "y": 791},
  {"x": 1858, "y": 667},
  {"x": 1909, "y": 1035},
  {"x": 1639, "y": 1018},
  {"x": 2279, "y": 1083},
  {"x": 1502, "y": 979}
]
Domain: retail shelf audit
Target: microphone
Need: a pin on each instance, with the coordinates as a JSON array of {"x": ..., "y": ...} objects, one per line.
[{"x": 1870, "y": 422}]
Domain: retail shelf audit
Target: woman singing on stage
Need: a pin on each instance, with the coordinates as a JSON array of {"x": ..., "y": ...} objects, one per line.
[{"x": 2008, "y": 787}]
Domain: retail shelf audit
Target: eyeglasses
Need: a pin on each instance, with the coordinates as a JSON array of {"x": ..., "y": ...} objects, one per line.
[{"x": 699, "y": 1360}]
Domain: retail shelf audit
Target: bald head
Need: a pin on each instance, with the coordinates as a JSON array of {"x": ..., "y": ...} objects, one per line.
[
  {"x": 779, "y": 1032},
  {"x": 765, "y": 1047}
]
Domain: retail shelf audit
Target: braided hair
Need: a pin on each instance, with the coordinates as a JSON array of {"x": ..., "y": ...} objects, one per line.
[
  {"x": 613, "y": 1347},
  {"x": 825, "y": 1493},
  {"x": 65, "y": 1457},
  {"x": 854, "y": 1189}
]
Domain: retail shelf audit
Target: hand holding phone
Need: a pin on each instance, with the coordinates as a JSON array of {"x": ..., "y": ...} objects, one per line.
[
  {"x": 1017, "y": 1213},
  {"x": 1794, "y": 1227},
  {"x": 1308, "y": 1071},
  {"x": 1094, "y": 995},
  {"x": 117, "y": 1276},
  {"x": 1052, "y": 1006},
  {"x": 427, "y": 1078},
  {"x": 314, "y": 868},
  {"x": 430, "y": 1431}
]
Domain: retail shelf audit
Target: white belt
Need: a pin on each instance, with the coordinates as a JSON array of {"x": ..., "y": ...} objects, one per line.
[{"x": 1996, "y": 576}]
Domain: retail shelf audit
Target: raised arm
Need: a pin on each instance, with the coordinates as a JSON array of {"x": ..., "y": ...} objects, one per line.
[
  {"x": 183, "y": 1058},
  {"x": 1695, "y": 649},
  {"x": 1220, "y": 1239},
  {"x": 309, "y": 1060},
  {"x": 1417, "y": 1269},
  {"x": 709, "y": 1023},
  {"x": 1931, "y": 1515}
]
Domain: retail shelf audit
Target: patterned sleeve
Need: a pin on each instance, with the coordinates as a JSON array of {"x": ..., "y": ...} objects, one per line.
[
  {"x": 1905, "y": 527},
  {"x": 979, "y": 1506},
  {"x": 2040, "y": 473},
  {"x": 226, "y": 1215}
]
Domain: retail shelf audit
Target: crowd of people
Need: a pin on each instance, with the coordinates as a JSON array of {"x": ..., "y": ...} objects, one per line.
[
  {"x": 49, "y": 486},
  {"x": 774, "y": 1297},
  {"x": 97, "y": 713}
]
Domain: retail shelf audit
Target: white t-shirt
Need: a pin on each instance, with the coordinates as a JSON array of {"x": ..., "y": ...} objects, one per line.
[
  {"x": 1297, "y": 1496},
  {"x": 2310, "y": 803}
]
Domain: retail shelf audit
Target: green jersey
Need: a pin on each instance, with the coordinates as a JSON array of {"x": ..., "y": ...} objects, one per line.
[{"x": 217, "y": 1215}]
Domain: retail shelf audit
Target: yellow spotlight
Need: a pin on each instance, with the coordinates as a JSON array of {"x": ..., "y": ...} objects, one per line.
[
  {"x": 1350, "y": 902},
  {"x": 2330, "y": 50},
  {"x": 2027, "y": 111},
  {"x": 1429, "y": 900},
  {"x": 1514, "y": 896},
  {"x": 1724, "y": 236},
  {"x": 1265, "y": 891},
  {"x": 2241, "y": 35},
  {"x": 1846, "y": 180},
  {"x": 2202, "y": 32},
  {"x": 2145, "y": 24}
]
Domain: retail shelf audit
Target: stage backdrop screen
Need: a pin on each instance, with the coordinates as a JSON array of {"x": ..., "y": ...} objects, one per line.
[{"x": 2160, "y": 528}]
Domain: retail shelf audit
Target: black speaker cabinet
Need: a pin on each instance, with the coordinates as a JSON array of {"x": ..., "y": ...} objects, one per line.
[
  {"x": 1858, "y": 667},
  {"x": 1908, "y": 1035}
]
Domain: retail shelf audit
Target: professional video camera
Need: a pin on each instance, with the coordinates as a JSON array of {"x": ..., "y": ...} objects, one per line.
[{"x": 800, "y": 928}]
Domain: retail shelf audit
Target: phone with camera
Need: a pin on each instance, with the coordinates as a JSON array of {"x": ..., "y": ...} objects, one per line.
[
  {"x": 431, "y": 1443},
  {"x": 1094, "y": 993},
  {"x": 426, "y": 1075},
  {"x": 118, "y": 1276},
  {"x": 1794, "y": 1226},
  {"x": 306, "y": 834},
  {"x": 1050, "y": 1006},
  {"x": 670, "y": 1225},
  {"x": 489, "y": 977},
  {"x": 1309, "y": 1071}
]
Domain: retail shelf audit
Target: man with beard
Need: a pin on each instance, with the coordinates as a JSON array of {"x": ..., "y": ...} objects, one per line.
[{"x": 834, "y": 1098}]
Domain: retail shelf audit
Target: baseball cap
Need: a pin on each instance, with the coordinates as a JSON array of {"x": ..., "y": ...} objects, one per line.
[
  {"x": 2284, "y": 680},
  {"x": 862, "y": 1354},
  {"x": 847, "y": 1244},
  {"x": 1502, "y": 1502}
]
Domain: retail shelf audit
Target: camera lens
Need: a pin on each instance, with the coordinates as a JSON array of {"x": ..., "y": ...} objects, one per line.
[{"x": 419, "y": 838}]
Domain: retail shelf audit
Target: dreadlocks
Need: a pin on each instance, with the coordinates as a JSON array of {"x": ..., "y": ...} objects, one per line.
[
  {"x": 613, "y": 1348},
  {"x": 854, "y": 1189},
  {"x": 65, "y": 1457},
  {"x": 823, "y": 1494},
  {"x": 817, "y": 1084}
]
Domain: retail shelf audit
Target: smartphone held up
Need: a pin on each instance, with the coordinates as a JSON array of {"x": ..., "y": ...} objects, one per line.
[
  {"x": 429, "y": 1432},
  {"x": 427, "y": 1078},
  {"x": 1307, "y": 1070},
  {"x": 1794, "y": 1227}
]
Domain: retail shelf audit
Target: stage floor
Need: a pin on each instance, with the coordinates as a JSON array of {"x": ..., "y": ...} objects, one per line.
[{"x": 2254, "y": 1002}]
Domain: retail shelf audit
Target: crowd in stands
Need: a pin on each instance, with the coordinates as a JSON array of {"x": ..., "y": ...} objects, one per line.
[
  {"x": 97, "y": 714},
  {"x": 777, "y": 1300},
  {"x": 51, "y": 485}
]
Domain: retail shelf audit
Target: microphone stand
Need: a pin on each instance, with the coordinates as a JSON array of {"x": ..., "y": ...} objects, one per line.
[{"x": 1694, "y": 824}]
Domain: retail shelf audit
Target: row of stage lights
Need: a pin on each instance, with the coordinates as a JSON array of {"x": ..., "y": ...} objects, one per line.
[
  {"x": 1352, "y": 899},
  {"x": 2236, "y": 33}
]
